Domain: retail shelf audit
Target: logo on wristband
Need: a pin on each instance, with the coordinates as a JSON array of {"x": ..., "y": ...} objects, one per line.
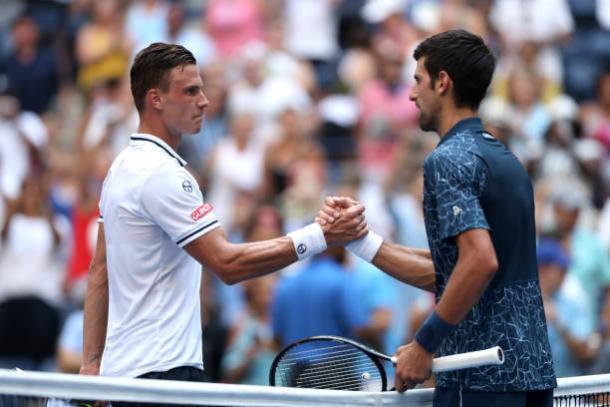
[{"x": 301, "y": 249}]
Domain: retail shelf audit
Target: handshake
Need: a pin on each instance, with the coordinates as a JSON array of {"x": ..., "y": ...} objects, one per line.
[
  {"x": 340, "y": 222},
  {"x": 343, "y": 222}
]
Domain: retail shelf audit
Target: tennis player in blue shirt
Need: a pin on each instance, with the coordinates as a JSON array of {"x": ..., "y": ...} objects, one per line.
[{"x": 479, "y": 215}]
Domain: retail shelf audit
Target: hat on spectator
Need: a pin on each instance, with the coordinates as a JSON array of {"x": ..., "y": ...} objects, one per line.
[
  {"x": 563, "y": 107},
  {"x": 495, "y": 111},
  {"x": 569, "y": 195},
  {"x": 549, "y": 251},
  {"x": 375, "y": 11}
]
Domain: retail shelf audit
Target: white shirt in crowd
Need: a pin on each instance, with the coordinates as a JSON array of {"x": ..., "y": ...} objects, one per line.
[{"x": 151, "y": 207}]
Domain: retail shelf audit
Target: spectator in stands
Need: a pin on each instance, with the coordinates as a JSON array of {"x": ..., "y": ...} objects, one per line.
[
  {"x": 294, "y": 145},
  {"x": 233, "y": 24},
  {"x": 569, "y": 320},
  {"x": 102, "y": 50},
  {"x": 227, "y": 178},
  {"x": 31, "y": 68},
  {"x": 197, "y": 150},
  {"x": 29, "y": 280},
  {"x": 311, "y": 35},
  {"x": 146, "y": 21},
  {"x": 530, "y": 118},
  {"x": 251, "y": 349},
  {"x": 22, "y": 145},
  {"x": 596, "y": 115},
  {"x": 385, "y": 114},
  {"x": 320, "y": 299},
  {"x": 589, "y": 263},
  {"x": 541, "y": 25},
  {"x": 193, "y": 38}
]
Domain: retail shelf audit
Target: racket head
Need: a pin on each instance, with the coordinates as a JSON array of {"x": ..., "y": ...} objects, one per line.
[{"x": 329, "y": 362}]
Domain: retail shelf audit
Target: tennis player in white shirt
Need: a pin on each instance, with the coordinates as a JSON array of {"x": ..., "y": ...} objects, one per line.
[{"x": 142, "y": 308}]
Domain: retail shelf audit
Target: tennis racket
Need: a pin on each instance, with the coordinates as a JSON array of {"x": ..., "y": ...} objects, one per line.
[{"x": 331, "y": 362}]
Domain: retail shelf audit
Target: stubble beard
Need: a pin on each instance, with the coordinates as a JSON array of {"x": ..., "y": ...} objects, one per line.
[{"x": 426, "y": 123}]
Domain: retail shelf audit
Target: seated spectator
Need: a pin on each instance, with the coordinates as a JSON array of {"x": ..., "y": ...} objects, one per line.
[{"x": 569, "y": 321}]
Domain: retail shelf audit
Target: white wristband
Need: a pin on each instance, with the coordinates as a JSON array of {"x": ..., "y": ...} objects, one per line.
[
  {"x": 366, "y": 247},
  {"x": 308, "y": 241}
]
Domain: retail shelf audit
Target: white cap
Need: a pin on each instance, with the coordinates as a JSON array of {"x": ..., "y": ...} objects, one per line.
[
  {"x": 563, "y": 107},
  {"x": 339, "y": 109},
  {"x": 495, "y": 110},
  {"x": 375, "y": 11}
]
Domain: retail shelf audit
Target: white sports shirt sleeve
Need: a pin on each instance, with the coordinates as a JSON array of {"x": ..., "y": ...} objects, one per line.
[{"x": 172, "y": 199}]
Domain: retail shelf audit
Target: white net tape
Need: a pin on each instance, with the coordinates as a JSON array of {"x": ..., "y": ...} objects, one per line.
[{"x": 65, "y": 386}]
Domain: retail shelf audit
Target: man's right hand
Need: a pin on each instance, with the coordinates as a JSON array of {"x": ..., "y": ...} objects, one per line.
[
  {"x": 342, "y": 220},
  {"x": 331, "y": 210}
]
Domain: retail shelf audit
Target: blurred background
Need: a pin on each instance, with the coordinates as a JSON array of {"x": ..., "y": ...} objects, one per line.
[{"x": 307, "y": 98}]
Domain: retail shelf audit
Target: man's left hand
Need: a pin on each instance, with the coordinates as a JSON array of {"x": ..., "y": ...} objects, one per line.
[{"x": 414, "y": 366}]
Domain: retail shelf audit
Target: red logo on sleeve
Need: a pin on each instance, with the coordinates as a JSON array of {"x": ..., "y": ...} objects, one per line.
[{"x": 201, "y": 211}]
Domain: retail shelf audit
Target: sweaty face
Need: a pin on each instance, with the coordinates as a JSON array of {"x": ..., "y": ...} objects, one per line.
[
  {"x": 184, "y": 103},
  {"x": 425, "y": 98}
]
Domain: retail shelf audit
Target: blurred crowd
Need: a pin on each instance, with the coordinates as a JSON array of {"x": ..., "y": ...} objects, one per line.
[{"x": 307, "y": 98}]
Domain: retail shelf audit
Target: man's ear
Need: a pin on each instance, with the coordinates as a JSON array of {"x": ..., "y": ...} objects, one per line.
[
  {"x": 444, "y": 83},
  {"x": 154, "y": 99}
]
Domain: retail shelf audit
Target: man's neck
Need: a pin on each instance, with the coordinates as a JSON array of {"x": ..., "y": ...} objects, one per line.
[
  {"x": 452, "y": 117},
  {"x": 159, "y": 129}
]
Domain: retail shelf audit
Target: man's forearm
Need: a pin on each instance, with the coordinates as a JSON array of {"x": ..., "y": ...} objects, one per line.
[
  {"x": 96, "y": 316},
  {"x": 408, "y": 265},
  {"x": 96, "y": 309}
]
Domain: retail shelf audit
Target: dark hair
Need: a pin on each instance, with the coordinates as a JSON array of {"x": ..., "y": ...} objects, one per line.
[
  {"x": 151, "y": 68},
  {"x": 467, "y": 60}
]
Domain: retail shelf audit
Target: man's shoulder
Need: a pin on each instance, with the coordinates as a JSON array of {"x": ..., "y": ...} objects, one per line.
[
  {"x": 454, "y": 158},
  {"x": 456, "y": 147}
]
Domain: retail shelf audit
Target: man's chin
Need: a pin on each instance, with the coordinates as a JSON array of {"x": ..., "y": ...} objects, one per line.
[
  {"x": 426, "y": 125},
  {"x": 194, "y": 130}
]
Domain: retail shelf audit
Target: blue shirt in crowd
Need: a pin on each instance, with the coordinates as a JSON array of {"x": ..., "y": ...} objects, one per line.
[{"x": 322, "y": 299}]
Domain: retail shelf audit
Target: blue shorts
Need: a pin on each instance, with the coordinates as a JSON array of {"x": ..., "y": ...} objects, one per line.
[{"x": 444, "y": 397}]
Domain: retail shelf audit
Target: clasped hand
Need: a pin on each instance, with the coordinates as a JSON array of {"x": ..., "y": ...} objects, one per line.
[{"x": 342, "y": 220}]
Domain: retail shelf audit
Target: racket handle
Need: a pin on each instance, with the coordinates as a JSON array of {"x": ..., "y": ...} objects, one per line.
[{"x": 491, "y": 356}]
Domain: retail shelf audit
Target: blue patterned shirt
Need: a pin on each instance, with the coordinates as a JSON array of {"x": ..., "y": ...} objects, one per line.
[{"x": 472, "y": 181}]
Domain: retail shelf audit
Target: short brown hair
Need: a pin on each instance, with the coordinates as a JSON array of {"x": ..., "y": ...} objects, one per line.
[{"x": 151, "y": 68}]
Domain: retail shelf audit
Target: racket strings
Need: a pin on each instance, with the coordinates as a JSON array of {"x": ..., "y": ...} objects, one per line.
[
  {"x": 324, "y": 371},
  {"x": 327, "y": 357},
  {"x": 336, "y": 366}
]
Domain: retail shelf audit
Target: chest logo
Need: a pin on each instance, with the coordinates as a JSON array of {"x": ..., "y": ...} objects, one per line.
[
  {"x": 187, "y": 186},
  {"x": 201, "y": 211},
  {"x": 457, "y": 211}
]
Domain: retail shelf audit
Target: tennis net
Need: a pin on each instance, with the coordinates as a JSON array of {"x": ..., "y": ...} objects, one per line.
[{"x": 37, "y": 389}]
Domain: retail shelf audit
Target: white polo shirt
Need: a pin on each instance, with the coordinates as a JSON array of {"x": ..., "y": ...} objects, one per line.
[{"x": 151, "y": 207}]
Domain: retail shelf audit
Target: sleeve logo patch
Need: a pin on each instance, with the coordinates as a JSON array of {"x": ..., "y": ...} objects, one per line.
[
  {"x": 457, "y": 211},
  {"x": 201, "y": 211},
  {"x": 187, "y": 186}
]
